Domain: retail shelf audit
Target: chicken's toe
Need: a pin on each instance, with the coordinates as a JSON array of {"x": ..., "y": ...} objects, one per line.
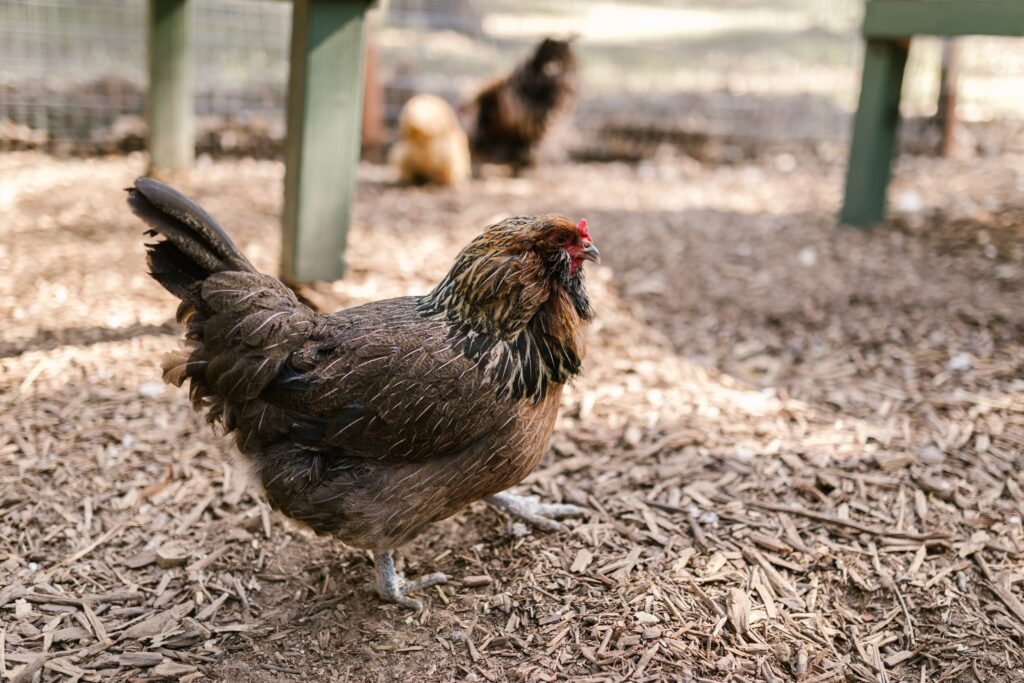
[
  {"x": 392, "y": 586},
  {"x": 532, "y": 511},
  {"x": 435, "y": 579}
]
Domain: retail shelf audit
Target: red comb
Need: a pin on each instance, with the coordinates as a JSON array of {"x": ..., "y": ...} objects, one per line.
[{"x": 582, "y": 228}]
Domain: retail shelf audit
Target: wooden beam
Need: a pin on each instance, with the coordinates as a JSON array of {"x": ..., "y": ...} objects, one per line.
[
  {"x": 374, "y": 135},
  {"x": 905, "y": 18},
  {"x": 874, "y": 133},
  {"x": 325, "y": 100},
  {"x": 172, "y": 85},
  {"x": 946, "y": 112}
]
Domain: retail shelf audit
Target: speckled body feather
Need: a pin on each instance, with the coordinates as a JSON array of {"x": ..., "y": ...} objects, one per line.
[{"x": 374, "y": 421}]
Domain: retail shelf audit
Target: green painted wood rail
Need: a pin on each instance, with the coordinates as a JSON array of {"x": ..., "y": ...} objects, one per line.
[
  {"x": 172, "y": 85},
  {"x": 325, "y": 92},
  {"x": 888, "y": 27}
]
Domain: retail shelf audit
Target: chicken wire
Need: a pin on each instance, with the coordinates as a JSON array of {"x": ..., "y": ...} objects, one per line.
[{"x": 72, "y": 74}]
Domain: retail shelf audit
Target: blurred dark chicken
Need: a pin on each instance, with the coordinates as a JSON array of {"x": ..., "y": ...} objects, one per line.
[
  {"x": 512, "y": 114},
  {"x": 372, "y": 422}
]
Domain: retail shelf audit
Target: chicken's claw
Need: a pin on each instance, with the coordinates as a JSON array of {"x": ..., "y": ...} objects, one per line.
[
  {"x": 393, "y": 587},
  {"x": 532, "y": 511}
]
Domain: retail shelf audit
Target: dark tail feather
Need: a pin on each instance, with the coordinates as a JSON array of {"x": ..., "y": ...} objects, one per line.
[{"x": 195, "y": 246}]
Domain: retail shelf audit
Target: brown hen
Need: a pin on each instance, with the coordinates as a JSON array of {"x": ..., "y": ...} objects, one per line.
[{"x": 372, "y": 422}]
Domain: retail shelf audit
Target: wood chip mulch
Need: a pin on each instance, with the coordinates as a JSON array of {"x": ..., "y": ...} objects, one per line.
[{"x": 801, "y": 447}]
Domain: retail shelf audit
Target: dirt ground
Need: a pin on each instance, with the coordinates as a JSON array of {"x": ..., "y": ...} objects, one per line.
[{"x": 801, "y": 447}]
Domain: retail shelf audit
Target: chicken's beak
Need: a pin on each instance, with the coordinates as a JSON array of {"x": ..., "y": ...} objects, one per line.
[{"x": 590, "y": 253}]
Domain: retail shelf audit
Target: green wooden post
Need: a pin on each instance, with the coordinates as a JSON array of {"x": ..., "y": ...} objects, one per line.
[
  {"x": 888, "y": 27},
  {"x": 172, "y": 85},
  {"x": 874, "y": 132},
  {"x": 325, "y": 101}
]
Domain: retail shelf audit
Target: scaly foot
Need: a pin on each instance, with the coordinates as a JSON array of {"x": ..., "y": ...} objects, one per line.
[
  {"x": 393, "y": 587},
  {"x": 532, "y": 511}
]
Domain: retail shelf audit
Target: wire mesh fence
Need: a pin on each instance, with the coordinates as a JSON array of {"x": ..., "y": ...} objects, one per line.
[{"x": 72, "y": 74}]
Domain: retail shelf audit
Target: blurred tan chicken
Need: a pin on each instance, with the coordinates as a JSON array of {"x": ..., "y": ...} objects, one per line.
[{"x": 432, "y": 147}]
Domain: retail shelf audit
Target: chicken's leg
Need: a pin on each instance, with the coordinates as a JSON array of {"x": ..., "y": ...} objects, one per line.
[
  {"x": 393, "y": 587},
  {"x": 532, "y": 511}
]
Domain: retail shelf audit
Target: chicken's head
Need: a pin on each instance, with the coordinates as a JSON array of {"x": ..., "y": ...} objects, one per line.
[
  {"x": 552, "y": 63},
  {"x": 502, "y": 278},
  {"x": 561, "y": 241}
]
